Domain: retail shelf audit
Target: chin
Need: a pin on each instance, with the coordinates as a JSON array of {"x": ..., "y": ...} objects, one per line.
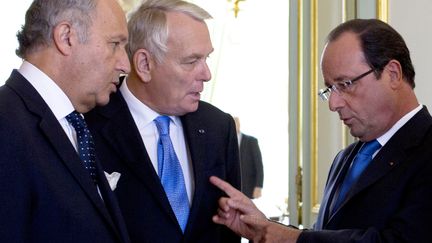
[
  {"x": 357, "y": 134},
  {"x": 194, "y": 107},
  {"x": 184, "y": 111},
  {"x": 102, "y": 102}
]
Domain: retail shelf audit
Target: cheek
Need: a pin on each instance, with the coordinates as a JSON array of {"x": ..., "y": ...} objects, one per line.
[
  {"x": 178, "y": 84},
  {"x": 99, "y": 79},
  {"x": 374, "y": 109}
]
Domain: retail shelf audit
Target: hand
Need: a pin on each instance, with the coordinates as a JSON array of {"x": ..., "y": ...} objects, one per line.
[
  {"x": 240, "y": 214},
  {"x": 234, "y": 206},
  {"x": 269, "y": 231},
  {"x": 257, "y": 192}
]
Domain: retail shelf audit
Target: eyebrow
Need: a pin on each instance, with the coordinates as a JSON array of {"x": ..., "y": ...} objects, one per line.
[
  {"x": 118, "y": 37},
  {"x": 197, "y": 55},
  {"x": 341, "y": 78},
  {"x": 336, "y": 80}
]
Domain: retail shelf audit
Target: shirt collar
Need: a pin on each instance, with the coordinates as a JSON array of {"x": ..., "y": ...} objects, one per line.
[
  {"x": 52, "y": 94},
  {"x": 142, "y": 114},
  {"x": 386, "y": 137}
]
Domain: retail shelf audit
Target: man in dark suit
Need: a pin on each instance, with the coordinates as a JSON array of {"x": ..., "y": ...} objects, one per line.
[
  {"x": 73, "y": 55},
  {"x": 169, "y": 44},
  {"x": 251, "y": 166},
  {"x": 370, "y": 80}
]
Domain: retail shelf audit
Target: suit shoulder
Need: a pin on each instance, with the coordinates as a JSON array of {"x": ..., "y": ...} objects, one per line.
[
  {"x": 12, "y": 107},
  {"x": 115, "y": 104},
  {"x": 204, "y": 106},
  {"x": 249, "y": 137},
  {"x": 209, "y": 112}
]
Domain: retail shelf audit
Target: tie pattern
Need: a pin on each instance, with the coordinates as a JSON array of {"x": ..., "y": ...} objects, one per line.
[
  {"x": 170, "y": 173},
  {"x": 86, "y": 148},
  {"x": 360, "y": 162}
]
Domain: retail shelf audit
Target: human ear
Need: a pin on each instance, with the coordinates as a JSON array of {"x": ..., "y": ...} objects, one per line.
[
  {"x": 394, "y": 70},
  {"x": 64, "y": 37},
  {"x": 143, "y": 63}
]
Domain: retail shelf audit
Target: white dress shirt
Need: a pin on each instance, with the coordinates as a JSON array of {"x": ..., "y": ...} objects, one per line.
[
  {"x": 55, "y": 98},
  {"x": 386, "y": 136},
  {"x": 144, "y": 119}
]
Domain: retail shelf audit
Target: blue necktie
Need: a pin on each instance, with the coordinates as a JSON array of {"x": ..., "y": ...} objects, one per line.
[
  {"x": 360, "y": 162},
  {"x": 86, "y": 148},
  {"x": 170, "y": 173}
]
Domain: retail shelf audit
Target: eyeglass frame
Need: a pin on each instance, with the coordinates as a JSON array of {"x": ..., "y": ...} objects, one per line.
[{"x": 339, "y": 87}]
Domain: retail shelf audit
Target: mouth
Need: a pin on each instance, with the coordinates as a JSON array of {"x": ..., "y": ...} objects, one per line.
[
  {"x": 196, "y": 94},
  {"x": 113, "y": 86},
  {"x": 347, "y": 121}
]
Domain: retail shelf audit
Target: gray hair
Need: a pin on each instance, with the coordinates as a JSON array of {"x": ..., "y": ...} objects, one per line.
[
  {"x": 44, "y": 15},
  {"x": 148, "y": 28}
]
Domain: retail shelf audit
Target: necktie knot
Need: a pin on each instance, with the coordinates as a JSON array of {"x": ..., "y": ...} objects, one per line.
[
  {"x": 77, "y": 121},
  {"x": 369, "y": 148},
  {"x": 162, "y": 124}
]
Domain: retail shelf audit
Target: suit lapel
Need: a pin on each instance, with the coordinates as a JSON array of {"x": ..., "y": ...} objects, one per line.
[
  {"x": 112, "y": 204},
  {"x": 336, "y": 177},
  {"x": 71, "y": 160},
  {"x": 60, "y": 143},
  {"x": 195, "y": 134},
  {"x": 242, "y": 148},
  {"x": 392, "y": 154},
  {"x": 382, "y": 164},
  {"x": 121, "y": 133}
]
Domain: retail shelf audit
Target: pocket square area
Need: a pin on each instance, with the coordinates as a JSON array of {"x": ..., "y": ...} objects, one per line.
[{"x": 112, "y": 178}]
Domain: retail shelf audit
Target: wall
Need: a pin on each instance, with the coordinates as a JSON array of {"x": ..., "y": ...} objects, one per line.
[
  {"x": 250, "y": 80},
  {"x": 12, "y": 17},
  {"x": 413, "y": 19}
]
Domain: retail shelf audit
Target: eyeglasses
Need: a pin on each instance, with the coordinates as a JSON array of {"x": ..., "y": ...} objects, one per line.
[{"x": 340, "y": 87}]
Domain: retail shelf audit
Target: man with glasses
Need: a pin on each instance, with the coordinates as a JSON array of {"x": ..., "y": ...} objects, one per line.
[{"x": 379, "y": 188}]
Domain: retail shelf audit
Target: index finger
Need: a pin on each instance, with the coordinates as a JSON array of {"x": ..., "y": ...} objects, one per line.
[{"x": 224, "y": 186}]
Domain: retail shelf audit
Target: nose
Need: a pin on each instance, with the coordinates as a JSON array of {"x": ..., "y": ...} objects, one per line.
[
  {"x": 336, "y": 101},
  {"x": 123, "y": 63},
  {"x": 205, "y": 74}
]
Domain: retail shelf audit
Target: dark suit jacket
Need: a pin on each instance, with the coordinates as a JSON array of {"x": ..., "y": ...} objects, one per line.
[
  {"x": 391, "y": 201},
  {"x": 46, "y": 193},
  {"x": 211, "y": 138},
  {"x": 252, "y": 173}
]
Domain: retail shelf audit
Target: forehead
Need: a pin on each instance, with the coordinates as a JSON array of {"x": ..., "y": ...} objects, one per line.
[
  {"x": 343, "y": 56},
  {"x": 110, "y": 16},
  {"x": 344, "y": 50},
  {"x": 188, "y": 34}
]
